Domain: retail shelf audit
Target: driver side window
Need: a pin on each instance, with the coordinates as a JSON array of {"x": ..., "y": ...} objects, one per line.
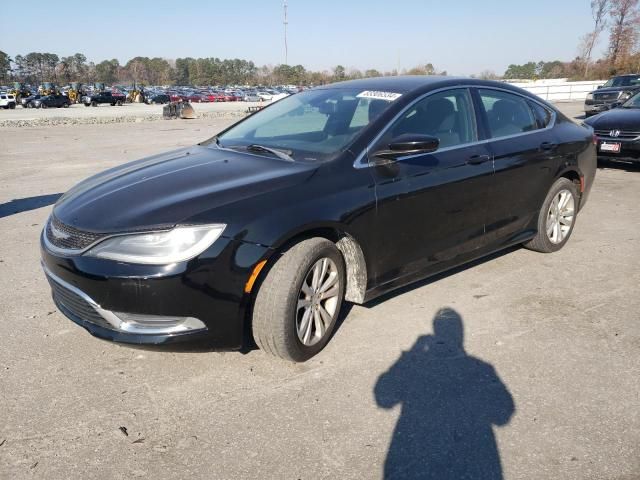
[{"x": 446, "y": 115}]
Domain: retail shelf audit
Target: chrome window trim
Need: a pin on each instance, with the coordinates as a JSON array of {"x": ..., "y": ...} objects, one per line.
[{"x": 359, "y": 163}]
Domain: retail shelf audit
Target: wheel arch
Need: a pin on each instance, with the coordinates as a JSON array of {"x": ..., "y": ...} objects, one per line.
[
  {"x": 354, "y": 259},
  {"x": 573, "y": 174}
]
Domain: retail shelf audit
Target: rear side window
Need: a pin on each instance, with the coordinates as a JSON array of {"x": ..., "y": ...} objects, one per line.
[
  {"x": 507, "y": 114},
  {"x": 543, "y": 115}
]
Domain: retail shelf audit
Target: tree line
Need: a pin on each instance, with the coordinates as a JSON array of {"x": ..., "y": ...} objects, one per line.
[
  {"x": 39, "y": 67},
  {"x": 621, "y": 20}
]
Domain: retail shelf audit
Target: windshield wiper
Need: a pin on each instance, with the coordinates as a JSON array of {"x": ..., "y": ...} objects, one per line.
[{"x": 284, "y": 155}]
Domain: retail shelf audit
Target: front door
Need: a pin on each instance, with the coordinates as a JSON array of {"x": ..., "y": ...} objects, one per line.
[{"x": 431, "y": 207}]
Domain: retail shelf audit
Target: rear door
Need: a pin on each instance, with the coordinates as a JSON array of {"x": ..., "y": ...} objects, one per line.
[
  {"x": 524, "y": 149},
  {"x": 431, "y": 207}
]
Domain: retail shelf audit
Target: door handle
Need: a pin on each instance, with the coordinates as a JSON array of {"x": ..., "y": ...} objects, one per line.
[
  {"x": 547, "y": 146},
  {"x": 478, "y": 159}
]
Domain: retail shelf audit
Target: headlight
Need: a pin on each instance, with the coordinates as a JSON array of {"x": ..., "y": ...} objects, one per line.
[
  {"x": 159, "y": 248},
  {"x": 625, "y": 96},
  {"x": 589, "y": 96}
]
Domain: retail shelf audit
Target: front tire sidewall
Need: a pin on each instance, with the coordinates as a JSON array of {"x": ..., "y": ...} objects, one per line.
[{"x": 278, "y": 306}]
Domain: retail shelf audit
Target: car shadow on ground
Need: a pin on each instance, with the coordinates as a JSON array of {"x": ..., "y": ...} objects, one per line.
[
  {"x": 19, "y": 205},
  {"x": 450, "y": 402},
  {"x": 612, "y": 165},
  {"x": 427, "y": 281}
]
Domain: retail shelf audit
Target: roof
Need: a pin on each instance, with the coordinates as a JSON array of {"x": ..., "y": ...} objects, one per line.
[{"x": 399, "y": 84}]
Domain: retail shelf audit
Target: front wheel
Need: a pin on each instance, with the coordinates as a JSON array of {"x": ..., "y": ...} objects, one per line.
[
  {"x": 298, "y": 303},
  {"x": 557, "y": 217}
]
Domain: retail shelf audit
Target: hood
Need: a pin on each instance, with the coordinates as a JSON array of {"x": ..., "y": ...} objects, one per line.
[
  {"x": 618, "y": 118},
  {"x": 171, "y": 188},
  {"x": 627, "y": 88}
]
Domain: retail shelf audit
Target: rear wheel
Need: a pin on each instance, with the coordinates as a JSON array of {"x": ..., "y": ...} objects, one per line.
[
  {"x": 43, "y": 105},
  {"x": 94, "y": 104},
  {"x": 298, "y": 303},
  {"x": 12, "y": 106},
  {"x": 557, "y": 217},
  {"x": 119, "y": 103}
]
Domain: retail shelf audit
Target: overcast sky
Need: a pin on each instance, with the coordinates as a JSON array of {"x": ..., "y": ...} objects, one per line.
[{"x": 462, "y": 37}]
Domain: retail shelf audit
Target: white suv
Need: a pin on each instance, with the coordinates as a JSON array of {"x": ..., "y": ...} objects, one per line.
[{"x": 7, "y": 100}]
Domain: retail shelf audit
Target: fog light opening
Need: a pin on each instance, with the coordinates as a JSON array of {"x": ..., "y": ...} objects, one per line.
[{"x": 157, "y": 324}]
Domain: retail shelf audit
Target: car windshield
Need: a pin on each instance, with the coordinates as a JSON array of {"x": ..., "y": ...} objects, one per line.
[
  {"x": 623, "y": 81},
  {"x": 633, "y": 102},
  {"x": 313, "y": 125}
]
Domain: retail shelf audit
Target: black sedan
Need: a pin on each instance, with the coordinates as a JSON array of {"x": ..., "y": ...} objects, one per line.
[
  {"x": 618, "y": 131},
  {"x": 339, "y": 193},
  {"x": 160, "y": 98},
  {"x": 27, "y": 102},
  {"x": 53, "y": 100}
]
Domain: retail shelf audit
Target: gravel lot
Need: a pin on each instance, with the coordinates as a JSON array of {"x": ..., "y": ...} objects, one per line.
[
  {"x": 557, "y": 338},
  {"x": 131, "y": 112}
]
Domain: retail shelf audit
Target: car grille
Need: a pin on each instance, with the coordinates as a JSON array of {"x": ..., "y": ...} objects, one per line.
[
  {"x": 606, "y": 97},
  {"x": 68, "y": 238},
  {"x": 624, "y": 134},
  {"x": 72, "y": 304}
]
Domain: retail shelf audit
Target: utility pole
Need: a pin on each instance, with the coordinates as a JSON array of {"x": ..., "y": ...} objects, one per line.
[{"x": 286, "y": 51}]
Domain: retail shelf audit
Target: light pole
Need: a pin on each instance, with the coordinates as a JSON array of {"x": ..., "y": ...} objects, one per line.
[{"x": 285, "y": 22}]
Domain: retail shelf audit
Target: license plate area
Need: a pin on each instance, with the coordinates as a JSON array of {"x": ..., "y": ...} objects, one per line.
[{"x": 612, "y": 147}]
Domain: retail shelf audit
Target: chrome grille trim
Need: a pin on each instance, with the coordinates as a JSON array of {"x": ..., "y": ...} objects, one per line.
[
  {"x": 79, "y": 304},
  {"x": 624, "y": 134},
  {"x": 65, "y": 239},
  {"x": 609, "y": 96}
]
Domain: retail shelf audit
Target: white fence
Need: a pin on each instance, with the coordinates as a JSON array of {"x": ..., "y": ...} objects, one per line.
[{"x": 559, "y": 90}]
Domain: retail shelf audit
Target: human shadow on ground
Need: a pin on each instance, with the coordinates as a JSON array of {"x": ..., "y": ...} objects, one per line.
[{"x": 450, "y": 403}]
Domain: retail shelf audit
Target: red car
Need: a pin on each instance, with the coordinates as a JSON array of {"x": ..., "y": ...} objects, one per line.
[{"x": 216, "y": 97}]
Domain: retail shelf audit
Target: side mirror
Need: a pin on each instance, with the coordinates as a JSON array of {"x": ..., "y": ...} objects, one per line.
[
  {"x": 615, "y": 105},
  {"x": 403, "y": 145},
  {"x": 599, "y": 87}
]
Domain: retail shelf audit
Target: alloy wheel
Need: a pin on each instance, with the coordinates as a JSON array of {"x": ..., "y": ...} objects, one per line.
[
  {"x": 317, "y": 301},
  {"x": 560, "y": 216}
]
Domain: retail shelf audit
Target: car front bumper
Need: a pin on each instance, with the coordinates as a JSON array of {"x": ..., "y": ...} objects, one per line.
[
  {"x": 202, "y": 299},
  {"x": 629, "y": 150}
]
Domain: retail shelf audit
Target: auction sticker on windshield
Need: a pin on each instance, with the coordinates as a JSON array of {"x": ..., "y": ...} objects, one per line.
[{"x": 389, "y": 96}]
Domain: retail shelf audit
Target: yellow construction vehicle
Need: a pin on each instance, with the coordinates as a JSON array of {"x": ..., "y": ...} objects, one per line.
[
  {"x": 19, "y": 91},
  {"x": 136, "y": 95},
  {"x": 76, "y": 92},
  {"x": 48, "y": 88}
]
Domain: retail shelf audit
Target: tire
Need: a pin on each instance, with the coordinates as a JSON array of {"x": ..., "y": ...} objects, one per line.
[
  {"x": 43, "y": 105},
  {"x": 87, "y": 104},
  {"x": 12, "y": 106},
  {"x": 119, "y": 103},
  {"x": 66, "y": 105},
  {"x": 552, "y": 222},
  {"x": 94, "y": 104},
  {"x": 277, "y": 317}
]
